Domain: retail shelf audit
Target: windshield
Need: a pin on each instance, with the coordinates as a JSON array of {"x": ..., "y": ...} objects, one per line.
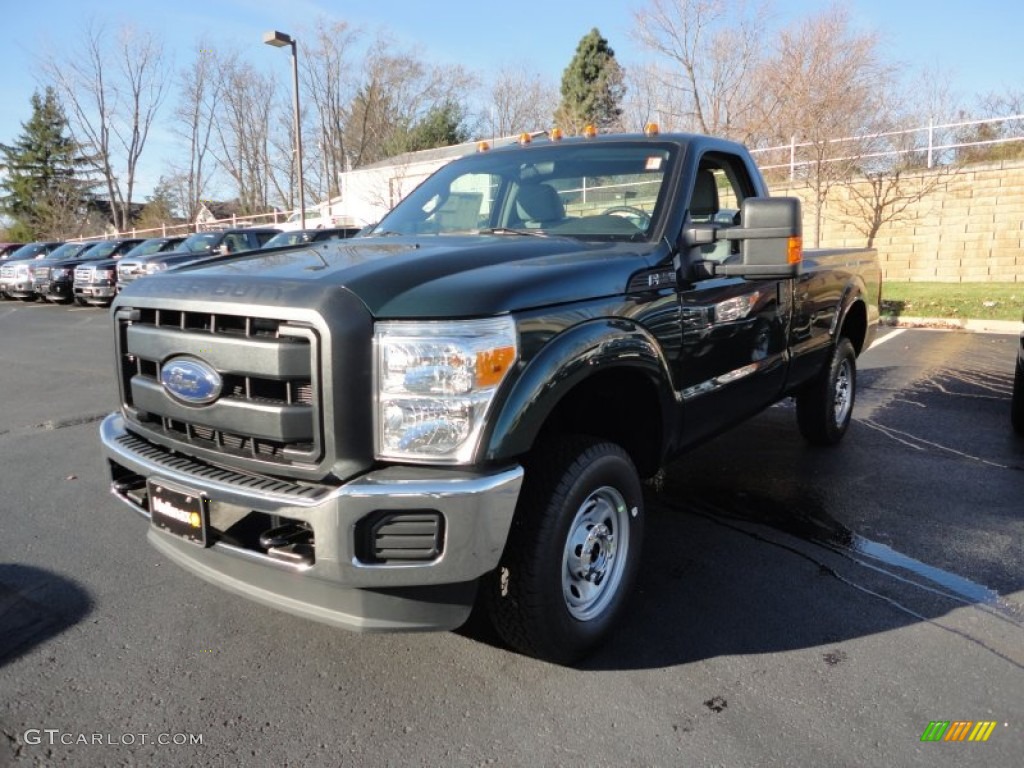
[
  {"x": 30, "y": 251},
  {"x": 147, "y": 247},
  {"x": 67, "y": 251},
  {"x": 202, "y": 241},
  {"x": 586, "y": 190},
  {"x": 103, "y": 249}
]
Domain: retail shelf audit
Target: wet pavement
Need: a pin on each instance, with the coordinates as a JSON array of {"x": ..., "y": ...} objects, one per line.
[{"x": 796, "y": 605}]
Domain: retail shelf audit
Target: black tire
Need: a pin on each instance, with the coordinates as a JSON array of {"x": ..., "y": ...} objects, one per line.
[
  {"x": 1017, "y": 399},
  {"x": 573, "y": 552},
  {"x": 825, "y": 405},
  {"x": 81, "y": 302}
]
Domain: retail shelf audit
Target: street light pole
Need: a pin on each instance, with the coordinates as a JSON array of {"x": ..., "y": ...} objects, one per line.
[{"x": 280, "y": 40}]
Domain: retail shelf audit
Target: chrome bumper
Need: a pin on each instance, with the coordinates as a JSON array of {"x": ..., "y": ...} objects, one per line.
[{"x": 337, "y": 588}]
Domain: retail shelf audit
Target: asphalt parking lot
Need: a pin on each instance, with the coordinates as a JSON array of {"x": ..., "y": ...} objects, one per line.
[{"x": 796, "y": 606}]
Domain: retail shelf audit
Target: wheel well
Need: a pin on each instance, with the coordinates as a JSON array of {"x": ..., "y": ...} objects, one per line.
[
  {"x": 855, "y": 326},
  {"x": 620, "y": 405}
]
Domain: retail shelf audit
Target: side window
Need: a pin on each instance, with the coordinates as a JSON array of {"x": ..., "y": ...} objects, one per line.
[
  {"x": 721, "y": 185},
  {"x": 235, "y": 243}
]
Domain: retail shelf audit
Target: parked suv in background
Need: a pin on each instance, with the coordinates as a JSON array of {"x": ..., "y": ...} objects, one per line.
[
  {"x": 95, "y": 282},
  {"x": 195, "y": 248},
  {"x": 16, "y": 273}
]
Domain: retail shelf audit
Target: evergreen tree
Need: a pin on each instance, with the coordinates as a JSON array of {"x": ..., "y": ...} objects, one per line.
[
  {"x": 45, "y": 189},
  {"x": 442, "y": 126},
  {"x": 592, "y": 87}
]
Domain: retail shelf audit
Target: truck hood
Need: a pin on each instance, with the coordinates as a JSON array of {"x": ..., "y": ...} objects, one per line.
[{"x": 406, "y": 277}]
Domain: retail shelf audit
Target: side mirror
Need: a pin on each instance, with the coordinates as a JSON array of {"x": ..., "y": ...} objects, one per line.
[{"x": 770, "y": 237}]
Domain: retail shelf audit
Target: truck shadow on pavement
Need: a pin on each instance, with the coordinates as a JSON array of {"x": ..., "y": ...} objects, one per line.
[{"x": 35, "y": 606}]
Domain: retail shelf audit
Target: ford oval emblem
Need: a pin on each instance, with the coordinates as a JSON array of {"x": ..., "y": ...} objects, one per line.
[{"x": 191, "y": 381}]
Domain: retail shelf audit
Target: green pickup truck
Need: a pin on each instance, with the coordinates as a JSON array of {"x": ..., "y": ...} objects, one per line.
[{"x": 457, "y": 408}]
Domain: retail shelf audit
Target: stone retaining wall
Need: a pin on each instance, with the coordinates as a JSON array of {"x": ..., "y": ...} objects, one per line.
[{"x": 968, "y": 227}]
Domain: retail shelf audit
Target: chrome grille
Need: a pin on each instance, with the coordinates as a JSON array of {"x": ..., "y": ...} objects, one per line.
[
  {"x": 83, "y": 274},
  {"x": 41, "y": 273},
  {"x": 6, "y": 271},
  {"x": 268, "y": 412}
]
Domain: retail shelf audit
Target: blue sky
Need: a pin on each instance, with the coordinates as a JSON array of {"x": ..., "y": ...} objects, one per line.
[{"x": 979, "y": 46}]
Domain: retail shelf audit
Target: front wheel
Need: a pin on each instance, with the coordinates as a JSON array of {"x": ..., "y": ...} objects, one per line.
[
  {"x": 825, "y": 405},
  {"x": 1017, "y": 399},
  {"x": 573, "y": 552}
]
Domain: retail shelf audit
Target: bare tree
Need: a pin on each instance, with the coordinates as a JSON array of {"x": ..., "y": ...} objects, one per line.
[
  {"x": 242, "y": 125},
  {"x": 519, "y": 101},
  {"x": 112, "y": 106},
  {"x": 707, "y": 54},
  {"x": 330, "y": 80},
  {"x": 199, "y": 94},
  {"x": 826, "y": 82},
  {"x": 888, "y": 197},
  {"x": 395, "y": 90}
]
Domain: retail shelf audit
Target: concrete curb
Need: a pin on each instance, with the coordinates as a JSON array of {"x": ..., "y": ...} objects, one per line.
[{"x": 1011, "y": 327}]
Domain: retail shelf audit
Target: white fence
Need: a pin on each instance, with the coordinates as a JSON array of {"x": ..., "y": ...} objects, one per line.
[{"x": 927, "y": 146}]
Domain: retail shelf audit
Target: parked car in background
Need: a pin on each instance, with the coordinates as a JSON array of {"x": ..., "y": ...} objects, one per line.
[
  {"x": 300, "y": 236},
  {"x": 195, "y": 248},
  {"x": 16, "y": 273},
  {"x": 95, "y": 282}
]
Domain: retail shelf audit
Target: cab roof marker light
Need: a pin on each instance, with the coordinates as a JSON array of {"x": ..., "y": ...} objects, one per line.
[
  {"x": 555, "y": 134},
  {"x": 525, "y": 138},
  {"x": 589, "y": 131},
  {"x": 483, "y": 146},
  {"x": 651, "y": 129}
]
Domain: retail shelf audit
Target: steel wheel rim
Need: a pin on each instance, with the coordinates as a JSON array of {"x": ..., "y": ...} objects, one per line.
[
  {"x": 596, "y": 552},
  {"x": 843, "y": 393}
]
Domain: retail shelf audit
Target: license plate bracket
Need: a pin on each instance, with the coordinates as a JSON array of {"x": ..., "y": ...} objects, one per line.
[{"x": 178, "y": 510}]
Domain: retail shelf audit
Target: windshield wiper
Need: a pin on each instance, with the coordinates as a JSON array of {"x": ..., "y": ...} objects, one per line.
[{"x": 510, "y": 231}]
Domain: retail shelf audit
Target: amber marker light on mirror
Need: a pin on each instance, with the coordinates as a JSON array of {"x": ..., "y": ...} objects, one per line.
[{"x": 796, "y": 250}]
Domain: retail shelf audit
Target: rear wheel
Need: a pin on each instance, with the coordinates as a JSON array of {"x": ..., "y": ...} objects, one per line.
[
  {"x": 573, "y": 553},
  {"x": 825, "y": 405},
  {"x": 1017, "y": 400}
]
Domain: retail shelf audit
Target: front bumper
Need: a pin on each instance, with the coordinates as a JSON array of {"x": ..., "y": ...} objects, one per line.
[
  {"x": 91, "y": 292},
  {"x": 338, "y": 587},
  {"x": 19, "y": 287},
  {"x": 54, "y": 289}
]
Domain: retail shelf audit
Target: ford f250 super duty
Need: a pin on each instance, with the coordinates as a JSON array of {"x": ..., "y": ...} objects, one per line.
[{"x": 457, "y": 408}]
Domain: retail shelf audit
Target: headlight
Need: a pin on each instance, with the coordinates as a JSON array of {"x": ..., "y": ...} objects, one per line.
[
  {"x": 105, "y": 274},
  {"x": 435, "y": 383},
  {"x": 154, "y": 267},
  {"x": 20, "y": 270}
]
